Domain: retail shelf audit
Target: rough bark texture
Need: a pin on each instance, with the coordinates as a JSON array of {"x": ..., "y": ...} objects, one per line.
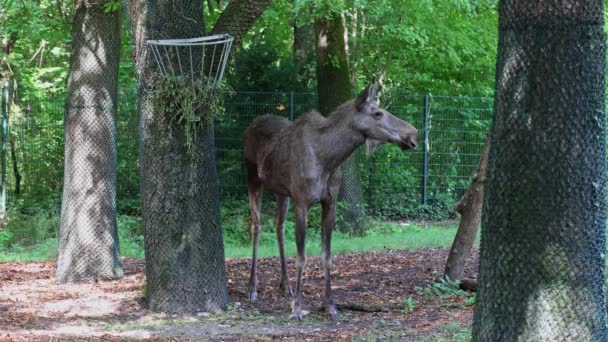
[
  {"x": 469, "y": 208},
  {"x": 333, "y": 89},
  {"x": 238, "y": 17},
  {"x": 88, "y": 239},
  {"x": 542, "y": 257},
  {"x": 185, "y": 270}
]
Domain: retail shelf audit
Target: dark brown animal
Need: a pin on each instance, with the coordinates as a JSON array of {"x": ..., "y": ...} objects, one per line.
[{"x": 301, "y": 160}]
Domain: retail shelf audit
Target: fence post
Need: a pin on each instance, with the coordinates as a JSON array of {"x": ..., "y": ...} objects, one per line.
[
  {"x": 4, "y": 134},
  {"x": 425, "y": 148},
  {"x": 291, "y": 105}
]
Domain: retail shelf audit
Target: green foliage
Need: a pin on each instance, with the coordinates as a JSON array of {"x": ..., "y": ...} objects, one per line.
[
  {"x": 260, "y": 67},
  {"x": 409, "y": 305},
  {"x": 111, "y": 6},
  {"x": 32, "y": 235},
  {"x": 236, "y": 222},
  {"x": 443, "y": 289},
  {"x": 40, "y": 55},
  {"x": 265, "y": 61},
  {"x": 447, "y": 47},
  {"x": 130, "y": 235},
  {"x": 5, "y": 237}
]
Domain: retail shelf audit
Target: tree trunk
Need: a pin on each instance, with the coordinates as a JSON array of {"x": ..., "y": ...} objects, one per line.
[
  {"x": 542, "y": 257},
  {"x": 469, "y": 208},
  {"x": 88, "y": 238},
  {"x": 185, "y": 270},
  {"x": 333, "y": 89}
]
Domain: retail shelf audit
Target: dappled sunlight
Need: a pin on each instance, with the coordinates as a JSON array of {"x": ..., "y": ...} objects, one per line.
[{"x": 33, "y": 305}]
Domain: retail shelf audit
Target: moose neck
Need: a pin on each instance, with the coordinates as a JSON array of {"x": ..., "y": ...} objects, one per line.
[{"x": 338, "y": 140}]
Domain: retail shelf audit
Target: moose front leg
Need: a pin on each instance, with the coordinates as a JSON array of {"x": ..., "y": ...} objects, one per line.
[
  {"x": 301, "y": 221},
  {"x": 255, "y": 199},
  {"x": 282, "y": 206},
  {"x": 327, "y": 224}
]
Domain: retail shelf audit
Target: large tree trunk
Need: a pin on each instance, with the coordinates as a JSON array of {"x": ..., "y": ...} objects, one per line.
[
  {"x": 469, "y": 208},
  {"x": 333, "y": 89},
  {"x": 542, "y": 263},
  {"x": 185, "y": 270},
  {"x": 88, "y": 241}
]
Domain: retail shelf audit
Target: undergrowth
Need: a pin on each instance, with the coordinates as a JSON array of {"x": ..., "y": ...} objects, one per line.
[{"x": 31, "y": 234}]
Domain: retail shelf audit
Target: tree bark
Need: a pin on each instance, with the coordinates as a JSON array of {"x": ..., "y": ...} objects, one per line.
[
  {"x": 185, "y": 270},
  {"x": 469, "y": 208},
  {"x": 542, "y": 255},
  {"x": 333, "y": 89},
  {"x": 238, "y": 17},
  {"x": 88, "y": 238}
]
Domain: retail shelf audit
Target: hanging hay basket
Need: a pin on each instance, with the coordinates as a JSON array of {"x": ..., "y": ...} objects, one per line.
[
  {"x": 204, "y": 57},
  {"x": 188, "y": 91}
]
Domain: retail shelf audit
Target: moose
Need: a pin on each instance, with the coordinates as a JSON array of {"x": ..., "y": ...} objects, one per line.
[{"x": 301, "y": 160}]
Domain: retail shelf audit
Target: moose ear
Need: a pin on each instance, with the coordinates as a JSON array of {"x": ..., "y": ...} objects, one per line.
[{"x": 362, "y": 103}]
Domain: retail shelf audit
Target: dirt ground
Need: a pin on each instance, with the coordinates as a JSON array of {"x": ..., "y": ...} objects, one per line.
[{"x": 34, "y": 307}]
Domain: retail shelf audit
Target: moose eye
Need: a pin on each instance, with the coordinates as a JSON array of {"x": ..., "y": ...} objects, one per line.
[{"x": 378, "y": 114}]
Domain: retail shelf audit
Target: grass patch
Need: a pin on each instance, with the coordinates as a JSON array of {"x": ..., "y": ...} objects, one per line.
[
  {"x": 382, "y": 236},
  {"x": 45, "y": 250},
  {"x": 32, "y": 235}
]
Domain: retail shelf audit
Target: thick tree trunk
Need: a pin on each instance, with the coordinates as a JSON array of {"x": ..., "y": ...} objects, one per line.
[
  {"x": 88, "y": 241},
  {"x": 333, "y": 89},
  {"x": 469, "y": 208},
  {"x": 542, "y": 258},
  {"x": 185, "y": 270}
]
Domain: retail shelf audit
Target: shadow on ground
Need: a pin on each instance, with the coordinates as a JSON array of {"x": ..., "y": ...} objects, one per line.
[{"x": 397, "y": 285}]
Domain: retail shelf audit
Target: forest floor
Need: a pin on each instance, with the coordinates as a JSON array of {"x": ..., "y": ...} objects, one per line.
[{"x": 34, "y": 307}]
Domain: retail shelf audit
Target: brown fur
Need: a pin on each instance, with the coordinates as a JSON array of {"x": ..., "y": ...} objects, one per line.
[{"x": 301, "y": 160}]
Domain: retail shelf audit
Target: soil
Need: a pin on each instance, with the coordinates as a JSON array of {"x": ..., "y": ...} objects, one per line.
[{"x": 34, "y": 307}]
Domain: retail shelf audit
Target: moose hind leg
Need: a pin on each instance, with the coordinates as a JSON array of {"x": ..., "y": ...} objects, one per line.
[
  {"x": 255, "y": 200},
  {"x": 282, "y": 206},
  {"x": 301, "y": 218},
  {"x": 327, "y": 223}
]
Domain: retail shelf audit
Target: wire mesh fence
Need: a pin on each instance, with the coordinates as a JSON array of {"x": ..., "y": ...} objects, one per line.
[
  {"x": 395, "y": 184},
  {"x": 542, "y": 255}
]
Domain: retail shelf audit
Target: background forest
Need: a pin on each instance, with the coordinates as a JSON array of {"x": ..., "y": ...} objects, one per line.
[
  {"x": 418, "y": 48},
  {"x": 444, "y": 47}
]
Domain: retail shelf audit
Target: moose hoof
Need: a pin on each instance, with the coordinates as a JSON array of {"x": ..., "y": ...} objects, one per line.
[
  {"x": 252, "y": 296},
  {"x": 332, "y": 313},
  {"x": 298, "y": 315},
  {"x": 287, "y": 291}
]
